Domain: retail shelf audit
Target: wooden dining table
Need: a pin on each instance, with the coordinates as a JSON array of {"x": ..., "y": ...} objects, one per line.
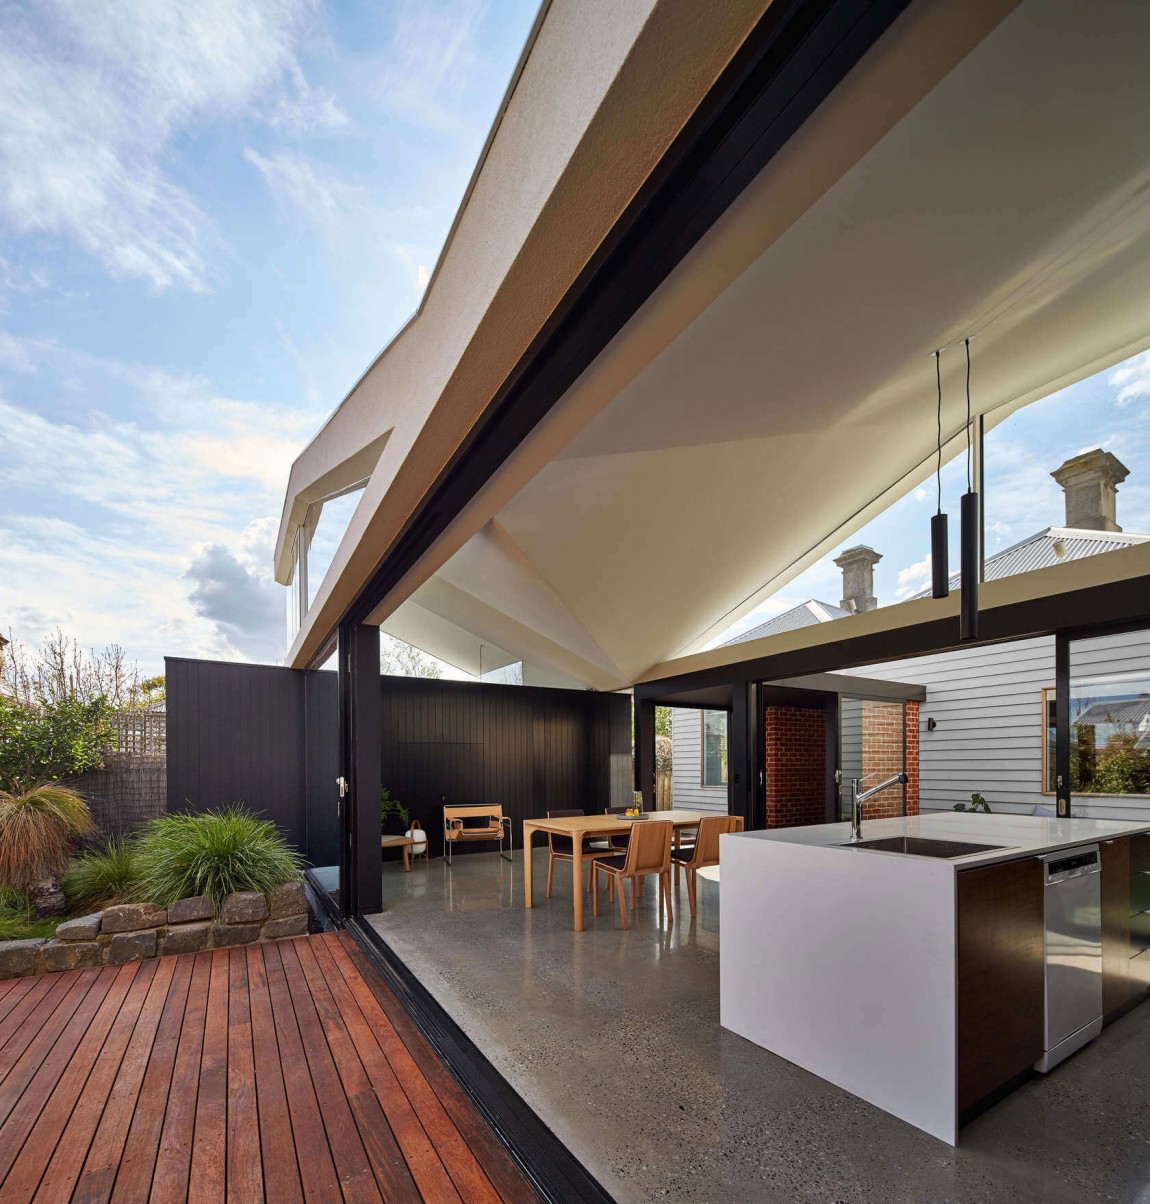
[{"x": 580, "y": 826}]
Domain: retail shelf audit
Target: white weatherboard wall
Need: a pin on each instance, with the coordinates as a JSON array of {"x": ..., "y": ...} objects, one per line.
[
  {"x": 987, "y": 703},
  {"x": 687, "y": 789}
]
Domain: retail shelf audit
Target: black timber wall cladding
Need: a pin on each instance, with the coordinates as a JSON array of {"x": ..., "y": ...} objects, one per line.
[
  {"x": 236, "y": 735},
  {"x": 529, "y": 749},
  {"x": 267, "y": 737}
]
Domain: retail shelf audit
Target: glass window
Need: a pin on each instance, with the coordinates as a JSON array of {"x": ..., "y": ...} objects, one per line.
[
  {"x": 714, "y": 748},
  {"x": 1109, "y": 735}
]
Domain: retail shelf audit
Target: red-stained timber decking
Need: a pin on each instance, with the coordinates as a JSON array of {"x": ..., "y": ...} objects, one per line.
[{"x": 284, "y": 1071}]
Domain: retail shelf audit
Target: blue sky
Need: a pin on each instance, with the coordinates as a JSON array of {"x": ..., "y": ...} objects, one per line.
[{"x": 212, "y": 216}]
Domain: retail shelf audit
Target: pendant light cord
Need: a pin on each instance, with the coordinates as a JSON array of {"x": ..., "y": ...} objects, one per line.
[
  {"x": 969, "y": 473},
  {"x": 938, "y": 381}
]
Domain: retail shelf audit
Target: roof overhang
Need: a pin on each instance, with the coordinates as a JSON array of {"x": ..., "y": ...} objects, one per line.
[{"x": 597, "y": 458}]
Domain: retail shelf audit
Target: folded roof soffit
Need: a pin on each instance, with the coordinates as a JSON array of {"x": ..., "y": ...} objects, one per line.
[
  {"x": 601, "y": 95},
  {"x": 777, "y": 420},
  {"x": 441, "y": 638},
  {"x": 924, "y": 44},
  {"x": 526, "y": 642}
]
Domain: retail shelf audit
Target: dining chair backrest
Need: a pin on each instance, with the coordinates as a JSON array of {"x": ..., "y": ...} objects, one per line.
[
  {"x": 707, "y": 841},
  {"x": 650, "y": 849},
  {"x": 559, "y": 843}
]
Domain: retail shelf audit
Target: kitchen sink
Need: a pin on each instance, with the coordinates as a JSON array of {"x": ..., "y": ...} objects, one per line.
[{"x": 921, "y": 846}]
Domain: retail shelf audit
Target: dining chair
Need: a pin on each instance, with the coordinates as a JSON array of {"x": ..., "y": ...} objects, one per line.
[
  {"x": 648, "y": 853},
  {"x": 705, "y": 850},
  {"x": 618, "y": 843},
  {"x": 562, "y": 848}
]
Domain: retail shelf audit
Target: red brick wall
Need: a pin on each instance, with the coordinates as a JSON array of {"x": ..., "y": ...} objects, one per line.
[
  {"x": 796, "y": 766},
  {"x": 912, "y": 758},
  {"x": 890, "y": 743}
]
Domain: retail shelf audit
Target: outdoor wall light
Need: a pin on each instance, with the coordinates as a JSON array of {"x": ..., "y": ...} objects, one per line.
[
  {"x": 939, "y": 538},
  {"x": 931, "y": 724}
]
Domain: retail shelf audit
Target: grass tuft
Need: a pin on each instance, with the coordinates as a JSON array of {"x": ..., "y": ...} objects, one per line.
[
  {"x": 215, "y": 853},
  {"x": 37, "y": 828},
  {"x": 18, "y": 919},
  {"x": 102, "y": 877}
]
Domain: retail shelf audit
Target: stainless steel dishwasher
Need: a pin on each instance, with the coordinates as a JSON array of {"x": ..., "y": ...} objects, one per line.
[{"x": 1072, "y": 898}]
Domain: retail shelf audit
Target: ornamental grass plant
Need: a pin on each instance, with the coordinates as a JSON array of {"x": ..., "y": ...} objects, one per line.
[
  {"x": 214, "y": 853},
  {"x": 38, "y": 825},
  {"x": 18, "y": 919},
  {"x": 102, "y": 877}
]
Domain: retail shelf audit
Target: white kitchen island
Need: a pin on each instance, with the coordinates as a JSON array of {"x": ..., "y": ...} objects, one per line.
[{"x": 845, "y": 961}]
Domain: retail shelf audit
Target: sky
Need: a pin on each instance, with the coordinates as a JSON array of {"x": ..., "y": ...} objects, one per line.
[{"x": 212, "y": 218}]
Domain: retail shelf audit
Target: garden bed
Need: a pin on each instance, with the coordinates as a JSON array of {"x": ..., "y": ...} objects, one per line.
[{"x": 128, "y": 932}]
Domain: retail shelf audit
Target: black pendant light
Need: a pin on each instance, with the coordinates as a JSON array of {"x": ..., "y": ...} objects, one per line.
[
  {"x": 939, "y": 539},
  {"x": 969, "y": 523}
]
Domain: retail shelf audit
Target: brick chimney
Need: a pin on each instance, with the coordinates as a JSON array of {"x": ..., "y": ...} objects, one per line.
[
  {"x": 1090, "y": 482},
  {"x": 857, "y": 565}
]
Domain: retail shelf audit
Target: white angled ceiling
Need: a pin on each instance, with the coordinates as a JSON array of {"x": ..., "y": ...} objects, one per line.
[{"x": 1009, "y": 202}]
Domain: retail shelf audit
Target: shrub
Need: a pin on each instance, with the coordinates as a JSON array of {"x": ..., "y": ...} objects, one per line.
[
  {"x": 50, "y": 740},
  {"x": 215, "y": 853},
  {"x": 37, "y": 827},
  {"x": 102, "y": 876}
]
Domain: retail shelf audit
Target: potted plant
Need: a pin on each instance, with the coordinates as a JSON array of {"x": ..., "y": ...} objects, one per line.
[
  {"x": 977, "y": 803},
  {"x": 393, "y": 815}
]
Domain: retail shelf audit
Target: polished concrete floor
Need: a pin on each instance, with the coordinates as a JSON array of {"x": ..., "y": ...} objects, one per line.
[{"x": 613, "y": 1037}]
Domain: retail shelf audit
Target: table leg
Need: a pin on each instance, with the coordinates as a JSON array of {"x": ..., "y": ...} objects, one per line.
[
  {"x": 577, "y": 879},
  {"x": 407, "y": 859},
  {"x": 528, "y": 833}
]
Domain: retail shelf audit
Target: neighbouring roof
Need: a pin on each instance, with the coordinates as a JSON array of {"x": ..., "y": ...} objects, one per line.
[
  {"x": 1117, "y": 711},
  {"x": 1039, "y": 551},
  {"x": 805, "y": 615},
  {"x": 1036, "y": 552}
]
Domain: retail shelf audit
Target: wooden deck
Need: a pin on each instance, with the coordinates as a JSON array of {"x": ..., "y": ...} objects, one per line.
[{"x": 284, "y": 1071}]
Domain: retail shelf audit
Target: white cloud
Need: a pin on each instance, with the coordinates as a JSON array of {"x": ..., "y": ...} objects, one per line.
[
  {"x": 331, "y": 206},
  {"x": 433, "y": 49},
  {"x": 1132, "y": 378},
  {"x": 912, "y": 580},
  {"x": 18, "y": 355},
  {"x": 142, "y": 522},
  {"x": 92, "y": 97}
]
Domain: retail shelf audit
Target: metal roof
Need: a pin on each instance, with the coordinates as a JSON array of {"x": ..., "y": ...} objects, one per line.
[
  {"x": 807, "y": 614},
  {"x": 1039, "y": 552},
  {"x": 1117, "y": 711}
]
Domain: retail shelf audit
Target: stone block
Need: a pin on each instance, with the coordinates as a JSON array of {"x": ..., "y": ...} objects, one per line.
[
  {"x": 69, "y": 955},
  {"x": 131, "y": 946},
  {"x": 225, "y": 935},
  {"x": 245, "y": 907},
  {"x": 131, "y": 917},
  {"x": 82, "y": 928},
  {"x": 48, "y": 898},
  {"x": 183, "y": 911},
  {"x": 287, "y": 900},
  {"x": 186, "y": 938},
  {"x": 19, "y": 957},
  {"x": 285, "y": 926}
]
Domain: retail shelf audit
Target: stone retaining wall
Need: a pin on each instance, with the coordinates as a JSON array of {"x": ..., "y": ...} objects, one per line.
[{"x": 130, "y": 932}]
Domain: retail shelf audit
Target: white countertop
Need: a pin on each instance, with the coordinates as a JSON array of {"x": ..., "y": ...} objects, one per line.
[{"x": 1023, "y": 835}]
